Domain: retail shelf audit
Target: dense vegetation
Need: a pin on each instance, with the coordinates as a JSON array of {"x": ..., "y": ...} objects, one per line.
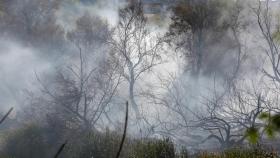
[{"x": 34, "y": 141}]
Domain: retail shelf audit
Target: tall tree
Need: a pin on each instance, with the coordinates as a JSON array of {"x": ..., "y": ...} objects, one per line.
[
  {"x": 199, "y": 30},
  {"x": 269, "y": 26},
  {"x": 136, "y": 50}
]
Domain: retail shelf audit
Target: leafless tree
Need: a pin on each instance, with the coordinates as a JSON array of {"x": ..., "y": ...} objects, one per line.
[
  {"x": 227, "y": 119},
  {"x": 266, "y": 22},
  {"x": 136, "y": 50},
  {"x": 84, "y": 93},
  {"x": 220, "y": 115},
  {"x": 269, "y": 27},
  {"x": 183, "y": 102}
]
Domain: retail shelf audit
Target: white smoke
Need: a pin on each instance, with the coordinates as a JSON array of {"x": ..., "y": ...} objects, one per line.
[{"x": 17, "y": 72}]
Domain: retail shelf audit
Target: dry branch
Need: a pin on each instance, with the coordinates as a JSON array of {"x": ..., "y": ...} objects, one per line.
[
  {"x": 60, "y": 149},
  {"x": 124, "y": 132},
  {"x": 5, "y": 116}
]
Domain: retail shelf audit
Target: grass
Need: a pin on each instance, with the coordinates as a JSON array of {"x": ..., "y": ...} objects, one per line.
[
  {"x": 34, "y": 141},
  {"x": 253, "y": 152}
]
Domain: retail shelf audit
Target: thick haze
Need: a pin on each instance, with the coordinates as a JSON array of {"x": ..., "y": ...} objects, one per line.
[
  {"x": 25, "y": 54},
  {"x": 19, "y": 62}
]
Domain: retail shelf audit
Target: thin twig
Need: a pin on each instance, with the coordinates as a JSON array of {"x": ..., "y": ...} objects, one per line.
[{"x": 124, "y": 132}]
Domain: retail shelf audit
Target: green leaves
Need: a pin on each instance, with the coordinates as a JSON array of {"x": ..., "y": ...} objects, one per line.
[
  {"x": 272, "y": 124},
  {"x": 269, "y": 131},
  {"x": 252, "y": 135},
  {"x": 272, "y": 121},
  {"x": 271, "y": 127},
  {"x": 264, "y": 116},
  {"x": 275, "y": 120},
  {"x": 276, "y": 36}
]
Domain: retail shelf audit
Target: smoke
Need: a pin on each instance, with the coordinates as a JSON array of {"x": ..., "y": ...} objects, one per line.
[
  {"x": 18, "y": 66},
  {"x": 70, "y": 12},
  {"x": 20, "y": 60},
  {"x": 19, "y": 63}
]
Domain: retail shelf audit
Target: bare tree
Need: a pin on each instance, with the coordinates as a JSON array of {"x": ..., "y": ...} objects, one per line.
[
  {"x": 135, "y": 49},
  {"x": 269, "y": 27},
  {"x": 266, "y": 22},
  {"x": 224, "y": 116},
  {"x": 81, "y": 92},
  {"x": 227, "y": 119},
  {"x": 183, "y": 101},
  {"x": 84, "y": 93}
]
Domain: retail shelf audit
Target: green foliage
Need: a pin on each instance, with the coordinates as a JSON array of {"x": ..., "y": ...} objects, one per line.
[
  {"x": 269, "y": 131},
  {"x": 275, "y": 120},
  {"x": 272, "y": 124},
  {"x": 276, "y": 36},
  {"x": 271, "y": 127},
  {"x": 252, "y": 135},
  {"x": 264, "y": 116}
]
